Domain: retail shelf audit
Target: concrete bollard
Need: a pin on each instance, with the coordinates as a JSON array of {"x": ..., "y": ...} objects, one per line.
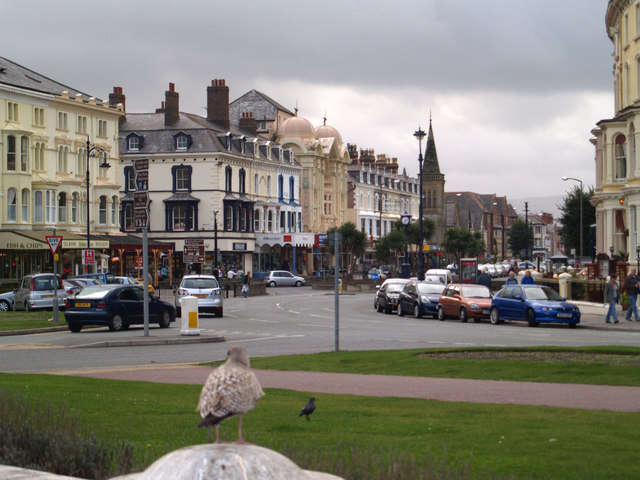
[
  {"x": 564, "y": 285},
  {"x": 189, "y": 319}
]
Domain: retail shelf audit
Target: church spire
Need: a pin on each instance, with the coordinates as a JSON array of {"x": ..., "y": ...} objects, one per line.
[{"x": 430, "y": 155}]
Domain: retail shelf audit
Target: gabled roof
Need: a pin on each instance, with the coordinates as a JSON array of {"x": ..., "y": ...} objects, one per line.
[
  {"x": 16, "y": 75},
  {"x": 267, "y": 98}
]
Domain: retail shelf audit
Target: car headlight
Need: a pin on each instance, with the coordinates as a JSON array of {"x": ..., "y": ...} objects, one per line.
[
  {"x": 425, "y": 300},
  {"x": 474, "y": 306}
]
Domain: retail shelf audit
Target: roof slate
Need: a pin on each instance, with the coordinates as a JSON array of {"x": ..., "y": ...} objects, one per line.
[{"x": 16, "y": 75}]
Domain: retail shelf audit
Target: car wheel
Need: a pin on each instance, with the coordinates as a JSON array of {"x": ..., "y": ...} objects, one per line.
[
  {"x": 271, "y": 284},
  {"x": 298, "y": 283},
  {"x": 463, "y": 315},
  {"x": 75, "y": 327},
  {"x": 494, "y": 316},
  {"x": 441, "y": 315},
  {"x": 116, "y": 323},
  {"x": 573, "y": 325},
  {"x": 531, "y": 318},
  {"x": 4, "y": 306},
  {"x": 388, "y": 309},
  {"x": 416, "y": 311},
  {"x": 165, "y": 320},
  {"x": 379, "y": 308},
  {"x": 400, "y": 311}
]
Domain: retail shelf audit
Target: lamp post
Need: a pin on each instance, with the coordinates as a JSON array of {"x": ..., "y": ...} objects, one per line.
[
  {"x": 638, "y": 258},
  {"x": 215, "y": 240},
  {"x": 92, "y": 150},
  {"x": 581, "y": 200},
  {"x": 420, "y": 134},
  {"x": 406, "y": 268}
]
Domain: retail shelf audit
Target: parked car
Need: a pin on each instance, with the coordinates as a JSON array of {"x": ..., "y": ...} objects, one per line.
[
  {"x": 420, "y": 298},
  {"x": 388, "y": 294},
  {"x": 282, "y": 278},
  {"x": 438, "y": 279},
  {"x": 205, "y": 288},
  {"x": 85, "y": 282},
  {"x": 103, "y": 278},
  {"x": 443, "y": 273},
  {"x": 532, "y": 304},
  {"x": 38, "y": 291},
  {"x": 526, "y": 265},
  {"x": 126, "y": 281},
  {"x": 117, "y": 307},
  {"x": 72, "y": 287},
  {"x": 6, "y": 301},
  {"x": 465, "y": 301}
]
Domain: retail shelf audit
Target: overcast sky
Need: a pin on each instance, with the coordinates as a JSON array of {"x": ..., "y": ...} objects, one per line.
[{"x": 514, "y": 86}]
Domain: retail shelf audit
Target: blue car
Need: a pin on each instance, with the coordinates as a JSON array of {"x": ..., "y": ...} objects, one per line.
[
  {"x": 116, "y": 306},
  {"x": 420, "y": 298},
  {"x": 532, "y": 304}
]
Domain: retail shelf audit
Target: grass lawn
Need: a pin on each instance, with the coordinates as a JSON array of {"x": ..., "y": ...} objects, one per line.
[
  {"x": 495, "y": 441},
  {"x": 28, "y": 320},
  {"x": 589, "y": 365}
]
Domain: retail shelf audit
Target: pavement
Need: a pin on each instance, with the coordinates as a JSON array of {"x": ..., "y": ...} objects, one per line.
[{"x": 589, "y": 397}]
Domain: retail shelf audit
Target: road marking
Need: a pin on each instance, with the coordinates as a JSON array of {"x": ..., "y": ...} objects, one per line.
[
  {"x": 319, "y": 316},
  {"x": 294, "y": 312},
  {"x": 313, "y": 325},
  {"x": 263, "y": 320}
]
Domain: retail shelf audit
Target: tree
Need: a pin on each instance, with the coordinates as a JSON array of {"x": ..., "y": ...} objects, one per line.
[
  {"x": 414, "y": 230},
  {"x": 389, "y": 247},
  {"x": 519, "y": 238},
  {"x": 460, "y": 242},
  {"x": 353, "y": 243},
  {"x": 570, "y": 219}
]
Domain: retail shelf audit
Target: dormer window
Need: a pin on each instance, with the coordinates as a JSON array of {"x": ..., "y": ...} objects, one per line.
[
  {"x": 134, "y": 142},
  {"x": 182, "y": 141}
]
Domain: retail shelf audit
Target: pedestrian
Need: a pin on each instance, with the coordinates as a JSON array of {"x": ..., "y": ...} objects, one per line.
[
  {"x": 483, "y": 279},
  {"x": 245, "y": 284},
  {"x": 611, "y": 297},
  {"x": 512, "y": 279},
  {"x": 527, "y": 279},
  {"x": 630, "y": 287}
]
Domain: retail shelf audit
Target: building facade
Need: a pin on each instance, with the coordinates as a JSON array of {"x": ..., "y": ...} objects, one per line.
[
  {"x": 617, "y": 166},
  {"x": 45, "y": 128},
  {"x": 377, "y": 194},
  {"x": 205, "y": 173}
]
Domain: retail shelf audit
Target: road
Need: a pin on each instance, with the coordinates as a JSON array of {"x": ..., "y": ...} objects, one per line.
[{"x": 290, "y": 320}]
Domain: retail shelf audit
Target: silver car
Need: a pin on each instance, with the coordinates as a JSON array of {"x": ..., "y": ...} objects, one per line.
[
  {"x": 206, "y": 288},
  {"x": 282, "y": 278},
  {"x": 6, "y": 301},
  {"x": 39, "y": 291}
]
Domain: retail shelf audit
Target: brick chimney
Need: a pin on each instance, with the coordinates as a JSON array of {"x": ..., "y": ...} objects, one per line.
[
  {"x": 218, "y": 103},
  {"x": 171, "y": 105},
  {"x": 248, "y": 123},
  {"x": 117, "y": 97},
  {"x": 161, "y": 108}
]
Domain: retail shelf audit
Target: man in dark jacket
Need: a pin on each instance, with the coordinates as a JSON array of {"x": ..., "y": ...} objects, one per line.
[
  {"x": 630, "y": 287},
  {"x": 484, "y": 279}
]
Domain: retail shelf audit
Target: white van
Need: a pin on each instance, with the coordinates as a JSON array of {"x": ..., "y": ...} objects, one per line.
[{"x": 443, "y": 274}]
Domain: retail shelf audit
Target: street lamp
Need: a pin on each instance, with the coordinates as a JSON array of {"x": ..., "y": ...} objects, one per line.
[
  {"x": 406, "y": 268},
  {"x": 215, "y": 241},
  {"x": 638, "y": 258},
  {"x": 581, "y": 195},
  {"x": 92, "y": 150},
  {"x": 420, "y": 134}
]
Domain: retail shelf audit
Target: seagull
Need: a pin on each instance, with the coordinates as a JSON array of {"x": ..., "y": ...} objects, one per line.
[
  {"x": 231, "y": 389},
  {"x": 309, "y": 408}
]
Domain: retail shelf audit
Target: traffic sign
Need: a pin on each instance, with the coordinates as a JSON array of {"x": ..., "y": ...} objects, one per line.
[
  {"x": 193, "y": 250},
  {"x": 141, "y": 164},
  {"x": 54, "y": 242},
  {"x": 88, "y": 257}
]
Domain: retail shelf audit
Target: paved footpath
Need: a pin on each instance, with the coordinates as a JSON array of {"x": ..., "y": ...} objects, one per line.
[{"x": 589, "y": 397}]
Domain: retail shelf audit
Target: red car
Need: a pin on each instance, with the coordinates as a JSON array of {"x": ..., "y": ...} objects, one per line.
[{"x": 464, "y": 301}]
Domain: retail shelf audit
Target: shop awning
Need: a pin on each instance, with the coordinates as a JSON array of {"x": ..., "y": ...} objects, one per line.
[
  {"x": 69, "y": 240},
  {"x": 294, "y": 239}
]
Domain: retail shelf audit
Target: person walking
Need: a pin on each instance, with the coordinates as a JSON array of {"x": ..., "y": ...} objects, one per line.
[
  {"x": 630, "y": 287},
  {"x": 245, "y": 284},
  {"x": 512, "y": 280},
  {"x": 611, "y": 297},
  {"x": 484, "y": 279},
  {"x": 527, "y": 279}
]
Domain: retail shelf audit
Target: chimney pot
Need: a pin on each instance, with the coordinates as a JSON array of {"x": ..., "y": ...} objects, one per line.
[
  {"x": 117, "y": 97},
  {"x": 172, "y": 87},
  {"x": 171, "y": 105},
  {"x": 218, "y": 103}
]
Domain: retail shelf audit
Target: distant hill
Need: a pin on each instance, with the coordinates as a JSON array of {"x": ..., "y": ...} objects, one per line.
[{"x": 539, "y": 204}]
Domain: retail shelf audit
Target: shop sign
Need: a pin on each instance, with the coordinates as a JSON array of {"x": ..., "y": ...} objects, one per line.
[
  {"x": 139, "y": 261},
  {"x": 141, "y": 164},
  {"x": 142, "y": 180},
  {"x": 88, "y": 257},
  {"x": 240, "y": 246},
  {"x": 83, "y": 244},
  {"x": 269, "y": 239},
  {"x": 286, "y": 239},
  {"x": 193, "y": 251}
]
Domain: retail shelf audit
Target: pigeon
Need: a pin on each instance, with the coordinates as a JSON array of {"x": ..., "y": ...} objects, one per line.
[
  {"x": 309, "y": 408},
  {"x": 231, "y": 389}
]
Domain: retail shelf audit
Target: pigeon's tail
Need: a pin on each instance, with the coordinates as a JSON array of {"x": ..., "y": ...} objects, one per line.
[{"x": 212, "y": 421}]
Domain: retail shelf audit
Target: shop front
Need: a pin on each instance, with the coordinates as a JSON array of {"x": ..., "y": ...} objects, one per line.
[
  {"x": 126, "y": 258},
  {"x": 292, "y": 252}
]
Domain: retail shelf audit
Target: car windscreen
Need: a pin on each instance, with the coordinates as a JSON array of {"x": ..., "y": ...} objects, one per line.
[
  {"x": 430, "y": 288},
  {"x": 542, "y": 293},
  {"x": 476, "y": 291},
  {"x": 45, "y": 283},
  {"x": 395, "y": 287},
  {"x": 199, "y": 283},
  {"x": 94, "y": 292}
]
